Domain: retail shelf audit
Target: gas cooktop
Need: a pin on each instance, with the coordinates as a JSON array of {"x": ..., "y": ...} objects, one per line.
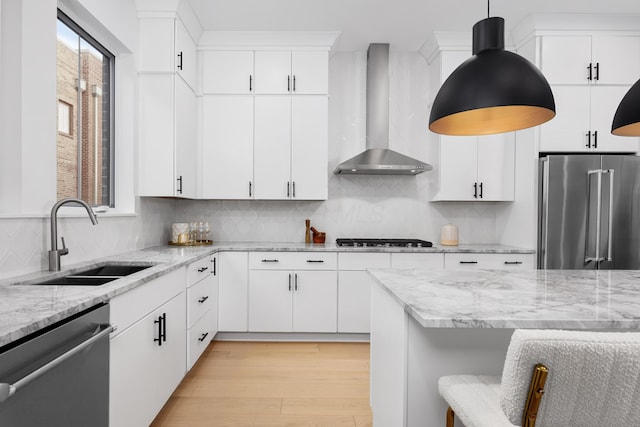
[{"x": 402, "y": 243}]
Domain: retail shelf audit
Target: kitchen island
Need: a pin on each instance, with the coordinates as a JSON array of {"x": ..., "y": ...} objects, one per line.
[{"x": 426, "y": 324}]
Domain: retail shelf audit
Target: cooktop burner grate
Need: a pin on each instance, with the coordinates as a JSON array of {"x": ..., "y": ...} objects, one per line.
[{"x": 404, "y": 243}]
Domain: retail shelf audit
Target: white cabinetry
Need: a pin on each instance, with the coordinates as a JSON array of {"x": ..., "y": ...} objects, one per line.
[
  {"x": 265, "y": 124},
  {"x": 354, "y": 289},
  {"x": 147, "y": 353},
  {"x": 232, "y": 269},
  {"x": 471, "y": 168},
  {"x": 427, "y": 261},
  {"x": 201, "y": 299},
  {"x": 292, "y": 292},
  {"x": 589, "y": 75},
  {"x": 485, "y": 260},
  {"x": 290, "y": 147},
  {"x": 166, "y": 109}
]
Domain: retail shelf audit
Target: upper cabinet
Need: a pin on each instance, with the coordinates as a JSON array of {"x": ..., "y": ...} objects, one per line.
[
  {"x": 265, "y": 124},
  {"x": 167, "y": 110},
  {"x": 470, "y": 168},
  {"x": 590, "y": 65},
  {"x": 596, "y": 59}
]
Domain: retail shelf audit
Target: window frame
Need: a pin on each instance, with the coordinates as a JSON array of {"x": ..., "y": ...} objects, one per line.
[{"x": 69, "y": 22}]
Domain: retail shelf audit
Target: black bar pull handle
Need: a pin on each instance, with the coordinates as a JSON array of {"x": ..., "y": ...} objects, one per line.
[
  {"x": 590, "y": 68},
  {"x": 203, "y": 269},
  {"x": 270, "y": 260},
  {"x": 588, "y": 144},
  {"x": 315, "y": 260},
  {"x": 250, "y": 83},
  {"x": 203, "y": 299},
  {"x": 214, "y": 267},
  {"x": 159, "y": 323},
  {"x": 481, "y": 189},
  {"x": 294, "y": 83},
  {"x": 295, "y": 276},
  {"x": 468, "y": 262},
  {"x": 289, "y": 282},
  {"x": 164, "y": 327},
  {"x": 203, "y": 336},
  {"x": 179, "y": 190},
  {"x": 180, "y": 63},
  {"x": 595, "y": 139},
  {"x": 513, "y": 262},
  {"x": 288, "y": 83},
  {"x": 597, "y": 71},
  {"x": 475, "y": 190},
  {"x": 288, "y": 189},
  {"x": 293, "y": 186},
  {"x": 250, "y": 189}
]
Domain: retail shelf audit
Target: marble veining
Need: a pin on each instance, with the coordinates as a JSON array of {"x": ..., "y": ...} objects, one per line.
[
  {"x": 572, "y": 299},
  {"x": 25, "y": 308}
]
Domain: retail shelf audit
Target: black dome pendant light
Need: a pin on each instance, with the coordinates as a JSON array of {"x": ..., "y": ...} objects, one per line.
[
  {"x": 626, "y": 121},
  {"x": 494, "y": 91}
]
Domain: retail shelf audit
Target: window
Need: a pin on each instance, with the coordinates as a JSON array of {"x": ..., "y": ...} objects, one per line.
[{"x": 84, "y": 152}]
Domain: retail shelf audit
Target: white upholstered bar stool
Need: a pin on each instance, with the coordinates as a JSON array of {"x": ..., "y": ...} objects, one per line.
[{"x": 589, "y": 379}]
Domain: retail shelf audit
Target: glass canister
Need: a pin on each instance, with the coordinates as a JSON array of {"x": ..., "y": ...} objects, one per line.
[{"x": 449, "y": 235}]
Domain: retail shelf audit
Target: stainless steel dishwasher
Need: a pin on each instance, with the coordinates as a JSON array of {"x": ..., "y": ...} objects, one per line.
[{"x": 58, "y": 376}]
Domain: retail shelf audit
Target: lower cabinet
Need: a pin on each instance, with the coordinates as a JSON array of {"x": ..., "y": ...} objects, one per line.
[
  {"x": 354, "y": 289},
  {"x": 147, "y": 356},
  {"x": 292, "y": 301},
  {"x": 232, "y": 269},
  {"x": 495, "y": 261}
]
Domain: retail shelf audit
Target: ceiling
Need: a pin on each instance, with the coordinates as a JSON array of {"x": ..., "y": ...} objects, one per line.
[{"x": 405, "y": 24}]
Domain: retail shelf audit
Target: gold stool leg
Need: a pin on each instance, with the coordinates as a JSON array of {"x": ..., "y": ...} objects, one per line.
[{"x": 450, "y": 415}]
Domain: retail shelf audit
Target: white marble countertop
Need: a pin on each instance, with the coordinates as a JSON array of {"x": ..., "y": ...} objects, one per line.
[
  {"x": 571, "y": 299},
  {"x": 25, "y": 309}
]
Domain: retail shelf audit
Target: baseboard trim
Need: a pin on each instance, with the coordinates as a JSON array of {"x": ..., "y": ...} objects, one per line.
[{"x": 291, "y": 336}]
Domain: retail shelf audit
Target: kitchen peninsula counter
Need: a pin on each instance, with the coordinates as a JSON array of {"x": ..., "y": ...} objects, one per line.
[{"x": 426, "y": 324}]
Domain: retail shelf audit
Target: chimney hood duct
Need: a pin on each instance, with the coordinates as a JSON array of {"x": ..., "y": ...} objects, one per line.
[{"x": 378, "y": 159}]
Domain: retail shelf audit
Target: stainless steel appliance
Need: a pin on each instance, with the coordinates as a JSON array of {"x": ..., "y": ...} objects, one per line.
[
  {"x": 59, "y": 376},
  {"x": 364, "y": 243},
  {"x": 589, "y": 214}
]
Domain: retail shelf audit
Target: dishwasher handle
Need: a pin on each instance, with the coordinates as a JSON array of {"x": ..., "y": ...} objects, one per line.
[{"x": 7, "y": 390}]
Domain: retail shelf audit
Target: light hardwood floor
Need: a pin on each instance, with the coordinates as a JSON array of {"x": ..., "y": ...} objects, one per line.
[{"x": 273, "y": 384}]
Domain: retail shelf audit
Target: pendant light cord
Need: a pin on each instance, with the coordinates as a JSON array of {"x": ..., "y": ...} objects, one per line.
[{"x": 488, "y": 14}]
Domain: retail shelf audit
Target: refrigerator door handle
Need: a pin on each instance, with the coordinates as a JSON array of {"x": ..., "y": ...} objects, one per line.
[
  {"x": 598, "y": 172},
  {"x": 610, "y": 234}
]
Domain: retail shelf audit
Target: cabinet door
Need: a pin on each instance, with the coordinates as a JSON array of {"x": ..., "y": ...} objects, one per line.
[
  {"x": 186, "y": 147},
  {"x": 310, "y": 72},
  {"x": 272, "y": 147},
  {"x": 604, "y": 103},
  {"x": 618, "y": 59},
  {"x": 309, "y": 147},
  {"x": 185, "y": 55},
  {"x": 315, "y": 301},
  {"x": 273, "y": 72},
  {"x": 232, "y": 291},
  {"x": 227, "y": 147},
  {"x": 565, "y": 59},
  {"x": 156, "y": 135},
  {"x": 156, "y": 42},
  {"x": 270, "y": 300},
  {"x": 458, "y": 167},
  {"x": 496, "y": 167},
  {"x": 567, "y": 131},
  {"x": 354, "y": 306},
  {"x": 215, "y": 283},
  {"x": 140, "y": 367},
  {"x": 227, "y": 72}
]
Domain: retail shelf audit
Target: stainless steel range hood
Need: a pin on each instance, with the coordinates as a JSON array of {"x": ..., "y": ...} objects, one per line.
[{"x": 378, "y": 159}]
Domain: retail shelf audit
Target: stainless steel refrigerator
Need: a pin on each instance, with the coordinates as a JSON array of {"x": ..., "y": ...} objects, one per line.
[{"x": 589, "y": 214}]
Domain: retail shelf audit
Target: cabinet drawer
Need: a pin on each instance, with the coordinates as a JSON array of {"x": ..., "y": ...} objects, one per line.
[
  {"x": 498, "y": 261},
  {"x": 198, "y": 270},
  {"x": 293, "y": 261},
  {"x": 431, "y": 261},
  {"x": 198, "y": 338},
  {"x": 363, "y": 261},
  {"x": 129, "y": 307},
  {"x": 199, "y": 300}
]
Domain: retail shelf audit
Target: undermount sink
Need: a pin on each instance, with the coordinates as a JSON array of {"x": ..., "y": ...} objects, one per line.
[{"x": 95, "y": 276}]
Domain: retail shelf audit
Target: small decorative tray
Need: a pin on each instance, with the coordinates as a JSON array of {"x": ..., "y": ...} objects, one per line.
[{"x": 199, "y": 243}]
